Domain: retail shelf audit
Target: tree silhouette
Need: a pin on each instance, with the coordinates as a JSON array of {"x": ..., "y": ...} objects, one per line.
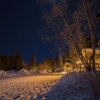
[
  {"x": 18, "y": 61},
  {"x": 73, "y": 30},
  {"x": 32, "y": 63}
]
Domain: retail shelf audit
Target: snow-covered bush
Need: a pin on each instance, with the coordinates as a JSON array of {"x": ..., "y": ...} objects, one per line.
[
  {"x": 23, "y": 71},
  {"x": 3, "y": 74},
  {"x": 33, "y": 72}
]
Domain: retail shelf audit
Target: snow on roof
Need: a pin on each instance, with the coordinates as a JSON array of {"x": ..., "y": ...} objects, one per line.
[{"x": 97, "y": 50}]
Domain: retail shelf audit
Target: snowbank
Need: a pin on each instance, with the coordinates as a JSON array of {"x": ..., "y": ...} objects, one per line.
[
  {"x": 14, "y": 73},
  {"x": 76, "y": 86},
  {"x": 23, "y": 72},
  {"x": 3, "y": 74}
]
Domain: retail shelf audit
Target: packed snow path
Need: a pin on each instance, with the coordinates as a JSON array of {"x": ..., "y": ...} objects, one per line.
[
  {"x": 72, "y": 86},
  {"x": 26, "y": 87}
]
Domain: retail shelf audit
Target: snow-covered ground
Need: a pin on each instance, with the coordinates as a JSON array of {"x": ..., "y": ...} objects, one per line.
[
  {"x": 72, "y": 86},
  {"x": 26, "y": 87}
]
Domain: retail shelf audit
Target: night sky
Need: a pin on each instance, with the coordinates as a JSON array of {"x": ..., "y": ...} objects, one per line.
[{"x": 20, "y": 21}]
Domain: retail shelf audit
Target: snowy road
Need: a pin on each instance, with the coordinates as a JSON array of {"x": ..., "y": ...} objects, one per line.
[{"x": 26, "y": 87}]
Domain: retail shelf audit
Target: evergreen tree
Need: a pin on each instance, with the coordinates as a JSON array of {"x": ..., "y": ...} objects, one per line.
[
  {"x": 6, "y": 62},
  {"x": 18, "y": 61},
  {"x": 51, "y": 63},
  {"x": 32, "y": 63}
]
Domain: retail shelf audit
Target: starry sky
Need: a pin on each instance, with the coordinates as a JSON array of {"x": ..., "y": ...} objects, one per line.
[{"x": 19, "y": 24}]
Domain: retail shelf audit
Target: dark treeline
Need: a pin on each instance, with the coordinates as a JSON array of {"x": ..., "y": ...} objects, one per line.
[
  {"x": 12, "y": 62},
  {"x": 16, "y": 62}
]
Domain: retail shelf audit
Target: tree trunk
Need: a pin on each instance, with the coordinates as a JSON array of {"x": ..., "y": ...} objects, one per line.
[{"x": 92, "y": 31}]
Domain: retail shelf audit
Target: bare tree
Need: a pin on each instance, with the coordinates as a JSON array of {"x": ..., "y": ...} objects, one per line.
[
  {"x": 69, "y": 29},
  {"x": 87, "y": 7}
]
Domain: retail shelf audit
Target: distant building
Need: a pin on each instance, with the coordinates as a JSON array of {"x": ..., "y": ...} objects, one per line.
[{"x": 86, "y": 53}]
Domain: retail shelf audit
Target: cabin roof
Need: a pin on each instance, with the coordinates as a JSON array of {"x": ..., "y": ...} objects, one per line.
[{"x": 97, "y": 50}]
